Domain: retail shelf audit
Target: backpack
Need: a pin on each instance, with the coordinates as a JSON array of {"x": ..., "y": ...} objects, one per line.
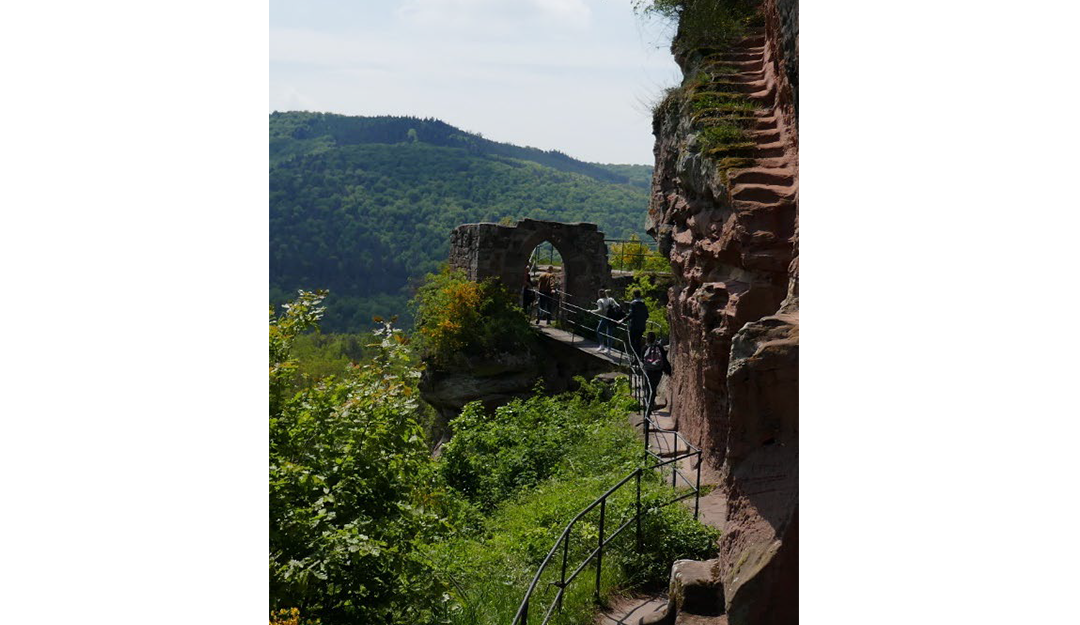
[
  {"x": 614, "y": 311},
  {"x": 654, "y": 357}
]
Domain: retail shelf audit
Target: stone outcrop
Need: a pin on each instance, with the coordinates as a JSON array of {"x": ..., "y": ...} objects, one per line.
[
  {"x": 694, "y": 591},
  {"x": 493, "y": 382},
  {"x": 725, "y": 210},
  {"x": 496, "y": 381},
  {"x": 759, "y": 547}
]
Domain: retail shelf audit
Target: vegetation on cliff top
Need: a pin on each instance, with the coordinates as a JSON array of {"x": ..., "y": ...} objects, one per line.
[{"x": 705, "y": 22}]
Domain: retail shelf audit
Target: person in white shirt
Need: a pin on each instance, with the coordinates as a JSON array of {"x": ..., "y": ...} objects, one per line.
[{"x": 604, "y": 327}]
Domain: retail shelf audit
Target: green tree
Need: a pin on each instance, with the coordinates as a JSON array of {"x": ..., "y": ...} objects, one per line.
[{"x": 352, "y": 494}]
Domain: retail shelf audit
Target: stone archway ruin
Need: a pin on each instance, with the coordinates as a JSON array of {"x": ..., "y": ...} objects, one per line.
[{"x": 488, "y": 250}]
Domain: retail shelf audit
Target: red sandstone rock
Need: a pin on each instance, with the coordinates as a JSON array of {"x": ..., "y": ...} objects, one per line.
[{"x": 731, "y": 233}]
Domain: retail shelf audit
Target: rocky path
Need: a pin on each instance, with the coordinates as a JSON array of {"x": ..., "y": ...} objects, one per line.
[
  {"x": 632, "y": 610},
  {"x": 647, "y": 608}
]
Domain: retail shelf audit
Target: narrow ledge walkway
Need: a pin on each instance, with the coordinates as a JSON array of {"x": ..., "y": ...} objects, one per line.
[
  {"x": 712, "y": 510},
  {"x": 588, "y": 346}
]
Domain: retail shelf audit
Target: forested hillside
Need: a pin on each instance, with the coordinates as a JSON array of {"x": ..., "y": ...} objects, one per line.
[{"x": 364, "y": 206}]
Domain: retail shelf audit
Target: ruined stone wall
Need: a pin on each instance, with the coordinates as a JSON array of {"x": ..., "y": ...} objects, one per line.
[{"x": 487, "y": 250}]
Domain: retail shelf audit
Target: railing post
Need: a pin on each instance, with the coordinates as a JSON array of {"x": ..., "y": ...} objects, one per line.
[
  {"x": 646, "y": 413},
  {"x": 600, "y": 549},
  {"x": 562, "y": 576},
  {"x": 638, "y": 506},
  {"x": 697, "y": 487},
  {"x": 524, "y": 614}
]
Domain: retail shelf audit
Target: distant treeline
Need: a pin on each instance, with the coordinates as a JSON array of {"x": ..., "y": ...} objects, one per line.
[{"x": 364, "y": 206}]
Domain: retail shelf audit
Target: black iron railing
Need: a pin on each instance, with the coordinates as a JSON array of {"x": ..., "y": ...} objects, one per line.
[
  {"x": 635, "y": 255},
  {"x": 666, "y": 449},
  {"x": 623, "y": 255}
]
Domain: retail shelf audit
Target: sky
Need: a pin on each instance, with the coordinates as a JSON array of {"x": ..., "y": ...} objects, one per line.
[{"x": 578, "y": 76}]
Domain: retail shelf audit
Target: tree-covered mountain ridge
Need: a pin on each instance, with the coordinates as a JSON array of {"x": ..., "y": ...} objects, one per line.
[
  {"x": 296, "y": 133},
  {"x": 364, "y": 206}
]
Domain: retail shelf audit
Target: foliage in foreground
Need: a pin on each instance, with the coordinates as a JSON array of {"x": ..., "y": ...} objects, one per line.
[
  {"x": 366, "y": 527},
  {"x": 533, "y": 465},
  {"x": 351, "y": 492}
]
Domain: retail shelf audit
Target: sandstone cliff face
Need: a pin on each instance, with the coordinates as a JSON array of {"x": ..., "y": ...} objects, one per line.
[{"x": 724, "y": 208}]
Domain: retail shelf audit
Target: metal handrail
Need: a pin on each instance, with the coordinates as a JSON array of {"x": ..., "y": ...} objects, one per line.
[
  {"x": 643, "y": 394},
  {"x": 641, "y": 249},
  {"x": 521, "y": 617},
  {"x": 636, "y": 366}
]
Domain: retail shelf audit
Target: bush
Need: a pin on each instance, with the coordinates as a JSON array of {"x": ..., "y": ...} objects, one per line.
[
  {"x": 705, "y": 22},
  {"x": 352, "y": 494},
  {"x": 457, "y": 319},
  {"x": 532, "y": 466},
  {"x": 490, "y": 457}
]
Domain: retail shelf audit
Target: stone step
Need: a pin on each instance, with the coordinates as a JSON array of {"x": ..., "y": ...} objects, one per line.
[
  {"x": 772, "y": 163},
  {"x": 666, "y": 444},
  {"x": 695, "y": 619},
  {"x": 744, "y": 76},
  {"x": 741, "y": 56},
  {"x": 771, "y": 135},
  {"x": 766, "y": 123},
  {"x": 723, "y": 85},
  {"x": 763, "y": 97},
  {"x": 763, "y": 193},
  {"x": 784, "y": 176},
  {"x": 768, "y": 150}
]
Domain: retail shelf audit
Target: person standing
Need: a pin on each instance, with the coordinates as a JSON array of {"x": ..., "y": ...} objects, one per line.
[
  {"x": 528, "y": 295},
  {"x": 545, "y": 286},
  {"x": 638, "y": 316},
  {"x": 604, "y": 305},
  {"x": 655, "y": 363}
]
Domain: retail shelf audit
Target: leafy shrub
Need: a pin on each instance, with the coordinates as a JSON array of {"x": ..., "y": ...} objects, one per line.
[
  {"x": 525, "y": 442},
  {"x": 321, "y": 355},
  {"x": 351, "y": 489},
  {"x": 633, "y": 255},
  {"x": 365, "y": 527},
  {"x": 668, "y": 533},
  {"x": 290, "y": 616},
  {"x": 457, "y": 319},
  {"x": 532, "y": 466},
  {"x": 705, "y": 22}
]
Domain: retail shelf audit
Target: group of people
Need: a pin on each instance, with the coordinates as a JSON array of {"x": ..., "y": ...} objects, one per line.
[
  {"x": 652, "y": 354},
  {"x": 650, "y": 351}
]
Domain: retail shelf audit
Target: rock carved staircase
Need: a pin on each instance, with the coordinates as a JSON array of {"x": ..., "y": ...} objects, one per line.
[{"x": 733, "y": 102}]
